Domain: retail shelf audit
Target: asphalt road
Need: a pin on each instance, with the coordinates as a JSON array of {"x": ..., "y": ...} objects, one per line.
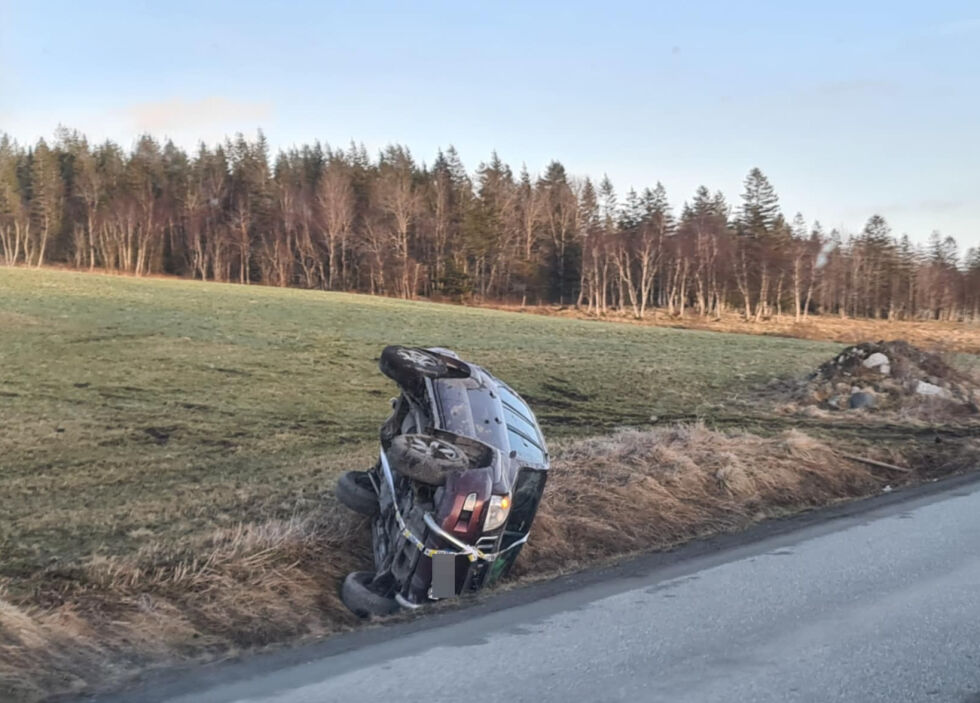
[{"x": 881, "y": 605}]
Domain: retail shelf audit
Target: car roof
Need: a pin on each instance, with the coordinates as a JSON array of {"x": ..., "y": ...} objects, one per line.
[{"x": 484, "y": 408}]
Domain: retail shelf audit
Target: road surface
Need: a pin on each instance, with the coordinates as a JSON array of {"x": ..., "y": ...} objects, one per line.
[{"x": 881, "y": 605}]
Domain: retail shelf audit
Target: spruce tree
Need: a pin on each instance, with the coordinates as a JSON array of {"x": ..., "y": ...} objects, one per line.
[{"x": 759, "y": 213}]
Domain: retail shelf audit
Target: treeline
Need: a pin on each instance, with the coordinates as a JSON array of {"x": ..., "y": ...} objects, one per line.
[{"x": 337, "y": 219}]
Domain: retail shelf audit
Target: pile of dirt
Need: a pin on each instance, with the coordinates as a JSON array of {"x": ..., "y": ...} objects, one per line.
[{"x": 890, "y": 376}]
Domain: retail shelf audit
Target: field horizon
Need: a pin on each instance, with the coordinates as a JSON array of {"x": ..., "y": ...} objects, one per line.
[{"x": 935, "y": 335}]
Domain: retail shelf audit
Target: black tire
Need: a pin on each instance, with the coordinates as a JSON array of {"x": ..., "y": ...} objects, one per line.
[
  {"x": 361, "y": 600},
  {"x": 406, "y": 366},
  {"x": 355, "y": 490},
  {"x": 426, "y": 459}
]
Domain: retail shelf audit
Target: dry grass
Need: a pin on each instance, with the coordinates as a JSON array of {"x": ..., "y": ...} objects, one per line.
[
  {"x": 277, "y": 581},
  {"x": 642, "y": 490},
  {"x": 238, "y": 588},
  {"x": 928, "y": 334}
]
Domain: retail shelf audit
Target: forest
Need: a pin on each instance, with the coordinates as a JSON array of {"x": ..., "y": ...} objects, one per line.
[{"x": 337, "y": 219}]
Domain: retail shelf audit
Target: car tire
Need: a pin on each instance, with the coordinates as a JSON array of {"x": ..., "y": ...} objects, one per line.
[
  {"x": 361, "y": 600},
  {"x": 406, "y": 366},
  {"x": 426, "y": 459},
  {"x": 355, "y": 491}
]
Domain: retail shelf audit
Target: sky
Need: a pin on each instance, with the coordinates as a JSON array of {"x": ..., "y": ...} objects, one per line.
[{"x": 849, "y": 108}]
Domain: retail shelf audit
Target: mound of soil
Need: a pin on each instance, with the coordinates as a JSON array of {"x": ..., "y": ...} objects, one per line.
[{"x": 890, "y": 376}]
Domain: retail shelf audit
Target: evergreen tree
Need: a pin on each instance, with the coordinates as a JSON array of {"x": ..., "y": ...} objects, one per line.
[
  {"x": 759, "y": 213},
  {"x": 47, "y": 200},
  {"x": 631, "y": 213}
]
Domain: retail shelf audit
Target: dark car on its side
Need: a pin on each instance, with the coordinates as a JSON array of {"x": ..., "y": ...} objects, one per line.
[{"x": 461, "y": 472}]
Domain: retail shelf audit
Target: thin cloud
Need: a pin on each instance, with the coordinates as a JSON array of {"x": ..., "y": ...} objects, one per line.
[
  {"x": 958, "y": 28},
  {"x": 180, "y": 114},
  {"x": 930, "y": 206},
  {"x": 857, "y": 86},
  {"x": 942, "y": 205}
]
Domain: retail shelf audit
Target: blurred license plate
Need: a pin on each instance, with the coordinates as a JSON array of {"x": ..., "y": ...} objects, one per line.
[{"x": 443, "y": 575}]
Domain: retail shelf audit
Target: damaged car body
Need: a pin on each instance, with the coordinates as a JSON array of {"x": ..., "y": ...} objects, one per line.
[{"x": 460, "y": 474}]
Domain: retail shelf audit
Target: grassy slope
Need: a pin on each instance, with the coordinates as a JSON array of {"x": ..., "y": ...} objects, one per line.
[{"x": 137, "y": 410}]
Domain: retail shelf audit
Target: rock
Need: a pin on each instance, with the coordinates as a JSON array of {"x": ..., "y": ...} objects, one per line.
[
  {"x": 861, "y": 399},
  {"x": 878, "y": 361},
  {"x": 926, "y": 388}
]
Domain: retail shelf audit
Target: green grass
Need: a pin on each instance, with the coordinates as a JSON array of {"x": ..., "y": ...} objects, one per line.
[{"x": 136, "y": 410}]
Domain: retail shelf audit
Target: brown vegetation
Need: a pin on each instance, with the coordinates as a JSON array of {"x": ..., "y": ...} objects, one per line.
[
  {"x": 641, "y": 490},
  {"x": 241, "y": 587},
  {"x": 277, "y": 581},
  {"x": 929, "y": 334}
]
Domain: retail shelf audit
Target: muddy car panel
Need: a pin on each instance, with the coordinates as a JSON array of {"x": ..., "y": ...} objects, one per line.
[{"x": 471, "y": 408}]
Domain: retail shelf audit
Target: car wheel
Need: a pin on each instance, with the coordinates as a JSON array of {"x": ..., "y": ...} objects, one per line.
[
  {"x": 361, "y": 600},
  {"x": 426, "y": 459},
  {"x": 407, "y": 365},
  {"x": 355, "y": 490}
]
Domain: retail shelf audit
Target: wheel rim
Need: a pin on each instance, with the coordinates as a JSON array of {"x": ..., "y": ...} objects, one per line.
[
  {"x": 419, "y": 445},
  {"x": 435, "y": 448},
  {"x": 440, "y": 450},
  {"x": 419, "y": 358}
]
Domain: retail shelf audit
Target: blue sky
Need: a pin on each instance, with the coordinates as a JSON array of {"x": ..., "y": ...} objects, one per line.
[{"x": 849, "y": 110}]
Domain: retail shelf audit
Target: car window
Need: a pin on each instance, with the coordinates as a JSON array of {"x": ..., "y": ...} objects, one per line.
[
  {"x": 520, "y": 423},
  {"x": 525, "y": 448},
  {"x": 515, "y": 401}
]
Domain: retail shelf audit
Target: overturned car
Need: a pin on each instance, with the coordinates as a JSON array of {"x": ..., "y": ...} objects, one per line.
[{"x": 461, "y": 471}]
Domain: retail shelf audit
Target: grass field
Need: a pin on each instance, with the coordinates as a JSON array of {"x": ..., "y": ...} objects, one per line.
[
  {"x": 139, "y": 409},
  {"x": 168, "y": 451}
]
